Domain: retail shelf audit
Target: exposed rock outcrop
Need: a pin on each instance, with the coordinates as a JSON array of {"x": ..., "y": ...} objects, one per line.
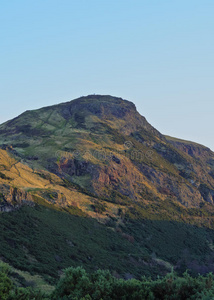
[{"x": 13, "y": 198}]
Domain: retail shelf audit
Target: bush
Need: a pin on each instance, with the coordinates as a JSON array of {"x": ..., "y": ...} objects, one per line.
[{"x": 77, "y": 284}]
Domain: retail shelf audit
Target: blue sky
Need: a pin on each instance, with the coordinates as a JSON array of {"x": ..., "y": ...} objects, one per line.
[{"x": 157, "y": 53}]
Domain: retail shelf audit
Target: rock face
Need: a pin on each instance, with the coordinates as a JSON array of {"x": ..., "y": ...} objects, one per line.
[
  {"x": 103, "y": 146},
  {"x": 13, "y": 198}
]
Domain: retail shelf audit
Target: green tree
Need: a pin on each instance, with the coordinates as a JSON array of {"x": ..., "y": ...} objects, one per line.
[{"x": 75, "y": 283}]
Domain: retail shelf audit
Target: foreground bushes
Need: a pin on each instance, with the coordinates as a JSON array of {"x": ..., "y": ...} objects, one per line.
[{"x": 77, "y": 284}]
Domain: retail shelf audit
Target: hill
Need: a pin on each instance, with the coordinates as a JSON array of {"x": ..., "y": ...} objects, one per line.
[{"x": 96, "y": 161}]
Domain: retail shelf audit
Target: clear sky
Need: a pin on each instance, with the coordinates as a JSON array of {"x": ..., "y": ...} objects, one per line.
[{"x": 157, "y": 53}]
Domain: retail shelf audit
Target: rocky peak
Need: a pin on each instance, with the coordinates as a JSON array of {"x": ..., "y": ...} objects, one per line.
[
  {"x": 104, "y": 106},
  {"x": 121, "y": 113}
]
